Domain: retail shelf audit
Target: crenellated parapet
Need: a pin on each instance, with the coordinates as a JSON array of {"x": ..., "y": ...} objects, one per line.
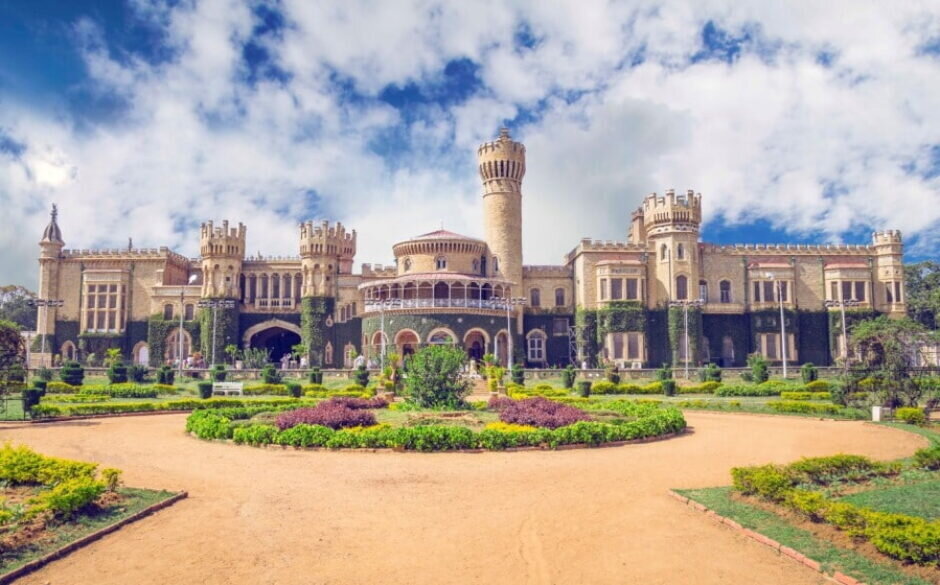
[
  {"x": 326, "y": 250},
  {"x": 501, "y": 164},
  {"x": 671, "y": 213},
  {"x": 789, "y": 249},
  {"x": 223, "y": 251},
  {"x": 161, "y": 253},
  {"x": 379, "y": 271}
]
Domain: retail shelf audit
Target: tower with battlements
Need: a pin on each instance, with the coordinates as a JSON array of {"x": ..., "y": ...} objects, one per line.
[
  {"x": 326, "y": 251},
  {"x": 222, "y": 250},
  {"x": 670, "y": 227}
]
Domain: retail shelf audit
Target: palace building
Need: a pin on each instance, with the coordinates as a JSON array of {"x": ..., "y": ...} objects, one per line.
[{"x": 660, "y": 296}]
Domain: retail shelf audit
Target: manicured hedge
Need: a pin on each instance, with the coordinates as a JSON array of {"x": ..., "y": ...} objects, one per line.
[
  {"x": 796, "y": 406},
  {"x": 902, "y": 537},
  {"x": 55, "y": 411},
  {"x": 749, "y": 390},
  {"x": 605, "y": 387},
  {"x": 222, "y": 424},
  {"x": 703, "y": 388},
  {"x": 805, "y": 396},
  {"x": 911, "y": 415}
]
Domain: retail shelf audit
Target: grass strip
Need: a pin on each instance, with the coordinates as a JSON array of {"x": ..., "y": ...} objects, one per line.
[{"x": 831, "y": 557}]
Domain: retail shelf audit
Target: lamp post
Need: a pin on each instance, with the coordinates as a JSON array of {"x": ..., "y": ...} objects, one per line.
[
  {"x": 508, "y": 302},
  {"x": 215, "y": 304},
  {"x": 42, "y": 318},
  {"x": 842, "y": 304},
  {"x": 783, "y": 325},
  {"x": 685, "y": 317},
  {"x": 381, "y": 305},
  {"x": 192, "y": 279}
]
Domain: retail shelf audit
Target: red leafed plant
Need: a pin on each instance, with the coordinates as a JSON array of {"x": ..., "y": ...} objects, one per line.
[
  {"x": 539, "y": 412},
  {"x": 328, "y": 414}
]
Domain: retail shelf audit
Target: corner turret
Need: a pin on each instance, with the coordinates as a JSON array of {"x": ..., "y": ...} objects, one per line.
[
  {"x": 223, "y": 251},
  {"x": 325, "y": 251}
]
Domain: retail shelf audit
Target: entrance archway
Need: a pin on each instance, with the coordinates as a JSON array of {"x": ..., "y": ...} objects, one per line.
[
  {"x": 277, "y": 340},
  {"x": 502, "y": 348},
  {"x": 407, "y": 342},
  {"x": 475, "y": 343}
]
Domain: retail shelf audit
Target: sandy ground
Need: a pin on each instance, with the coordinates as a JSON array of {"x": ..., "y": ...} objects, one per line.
[{"x": 591, "y": 516}]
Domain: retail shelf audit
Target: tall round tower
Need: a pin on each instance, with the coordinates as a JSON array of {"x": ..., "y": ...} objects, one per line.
[
  {"x": 502, "y": 166},
  {"x": 325, "y": 251},
  {"x": 223, "y": 251}
]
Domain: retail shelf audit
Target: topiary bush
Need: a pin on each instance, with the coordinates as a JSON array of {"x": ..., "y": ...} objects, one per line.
[
  {"x": 517, "y": 374},
  {"x": 818, "y": 386},
  {"x": 137, "y": 373},
  {"x": 205, "y": 389},
  {"x": 809, "y": 373},
  {"x": 362, "y": 376},
  {"x": 117, "y": 373},
  {"x": 584, "y": 388},
  {"x": 316, "y": 376},
  {"x": 270, "y": 375},
  {"x": 219, "y": 373},
  {"x": 605, "y": 387},
  {"x": 72, "y": 373},
  {"x": 294, "y": 389},
  {"x": 710, "y": 373},
  {"x": 166, "y": 375},
  {"x": 664, "y": 373},
  {"x": 44, "y": 374},
  {"x": 669, "y": 387},
  {"x": 433, "y": 377},
  {"x": 568, "y": 376}
]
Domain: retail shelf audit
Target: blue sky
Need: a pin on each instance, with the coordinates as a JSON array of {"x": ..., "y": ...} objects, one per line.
[{"x": 144, "y": 118}]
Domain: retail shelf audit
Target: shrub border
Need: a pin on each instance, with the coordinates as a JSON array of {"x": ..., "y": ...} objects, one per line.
[
  {"x": 785, "y": 551},
  {"x": 84, "y": 541},
  {"x": 568, "y": 447}
]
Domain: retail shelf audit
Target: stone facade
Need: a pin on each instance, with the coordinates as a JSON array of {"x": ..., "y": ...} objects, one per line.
[{"x": 629, "y": 302}]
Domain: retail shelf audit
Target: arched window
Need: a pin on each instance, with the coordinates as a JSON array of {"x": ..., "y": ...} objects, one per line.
[
  {"x": 495, "y": 265},
  {"x": 167, "y": 312},
  {"x": 440, "y": 263},
  {"x": 441, "y": 338},
  {"x": 680, "y": 252},
  {"x": 535, "y": 297},
  {"x": 724, "y": 289},
  {"x": 476, "y": 265},
  {"x": 189, "y": 312},
  {"x": 535, "y": 346},
  {"x": 682, "y": 288},
  {"x": 328, "y": 354},
  {"x": 703, "y": 290},
  {"x": 663, "y": 252},
  {"x": 559, "y": 297},
  {"x": 407, "y": 264}
]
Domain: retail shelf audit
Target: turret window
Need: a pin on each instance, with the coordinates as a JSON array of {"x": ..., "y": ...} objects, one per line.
[
  {"x": 680, "y": 252},
  {"x": 407, "y": 264},
  {"x": 441, "y": 263},
  {"x": 682, "y": 288},
  {"x": 663, "y": 252}
]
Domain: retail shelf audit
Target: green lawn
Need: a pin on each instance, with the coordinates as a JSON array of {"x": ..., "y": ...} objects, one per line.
[
  {"x": 916, "y": 499},
  {"x": 831, "y": 557},
  {"x": 135, "y": 500},
  {"x": 470, "y": 418}
]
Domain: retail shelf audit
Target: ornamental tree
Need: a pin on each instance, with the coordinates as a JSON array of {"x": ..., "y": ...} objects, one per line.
[{"x": 433, "y": 377}]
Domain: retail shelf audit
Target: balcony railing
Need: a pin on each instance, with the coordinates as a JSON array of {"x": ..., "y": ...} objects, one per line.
[
  {"x": 275, "y": 303},
  {"x": 373, "y": 306}
]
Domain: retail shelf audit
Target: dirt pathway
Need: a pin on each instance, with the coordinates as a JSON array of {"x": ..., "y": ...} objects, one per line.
[{"x": 271, "y": 516}]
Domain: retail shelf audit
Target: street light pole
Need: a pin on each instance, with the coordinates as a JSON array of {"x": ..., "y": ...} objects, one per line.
[
  {"x": 783, "y": 327},
  {"x": 179, "y": 355},
  {"x": 842, "y": 303},
  {"x": 509, "y": 302},
  {"x": 685, "y": 316}
]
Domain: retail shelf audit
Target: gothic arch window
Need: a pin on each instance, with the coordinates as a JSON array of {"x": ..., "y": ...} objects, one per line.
[
  {"x": 682, "y": 288},
  {"x": 680, "y": 252},
  {"x": 703, "y": 290},
  {"x": 559, "y": 297},
  {"x": 535, "y": 297},
  {"x": 328, "y": 354},
  {"x": 440, "y": 263},
  {"x": 167, "y": 312},
  {"x": 663, "y": 252},
  {"x": 189, "y": 312},
  {"x": 724, "y": 290}
]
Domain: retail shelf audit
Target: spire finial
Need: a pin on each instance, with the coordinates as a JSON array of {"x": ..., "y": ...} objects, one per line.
[{"x": 55, "y": 212}]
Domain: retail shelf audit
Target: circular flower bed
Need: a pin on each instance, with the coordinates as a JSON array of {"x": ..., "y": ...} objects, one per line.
[{"x": 533, "y": 422}]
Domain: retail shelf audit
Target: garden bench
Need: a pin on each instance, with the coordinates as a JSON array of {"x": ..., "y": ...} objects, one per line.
[{"x": 226, "y": 388}]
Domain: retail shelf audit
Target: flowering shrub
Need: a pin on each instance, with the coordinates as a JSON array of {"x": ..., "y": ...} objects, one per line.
[
  {"x": 334, "y": 415},
  {"x": 541, "y": 412}
]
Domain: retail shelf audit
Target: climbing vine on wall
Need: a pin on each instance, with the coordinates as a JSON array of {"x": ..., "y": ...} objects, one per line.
[
  {"x": 620, "y": 316},
  {"x": 157, "y": 331},
  {"x": 586, "y": 321},
  {"x": 313, "y": 314},
  {"x": 677, "y": 330},
  {"x": 226, "y": 332}
]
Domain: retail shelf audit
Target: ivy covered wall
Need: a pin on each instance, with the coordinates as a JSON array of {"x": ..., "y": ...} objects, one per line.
[
  {"x": 813, "y": 341},
  {"x": 682, "y": 320},
  {"x": 226, "y": 331},
  {"x": 157, "y": 331},
  {"x": 341, "y": 334},
  {"x": 556, "y": 346},
  {"x": 313, "y": 330},
  {"x": 737, "y": 328}
]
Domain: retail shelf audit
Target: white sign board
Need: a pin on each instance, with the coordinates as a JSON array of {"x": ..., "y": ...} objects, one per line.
[{"x": 227, "y": 387}]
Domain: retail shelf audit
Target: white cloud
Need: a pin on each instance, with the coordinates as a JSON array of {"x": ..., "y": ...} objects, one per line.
[{"x": 773, "y": 135}]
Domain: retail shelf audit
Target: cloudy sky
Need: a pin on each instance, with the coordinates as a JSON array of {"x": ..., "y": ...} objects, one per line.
[{"x": 797, "y": 121}]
